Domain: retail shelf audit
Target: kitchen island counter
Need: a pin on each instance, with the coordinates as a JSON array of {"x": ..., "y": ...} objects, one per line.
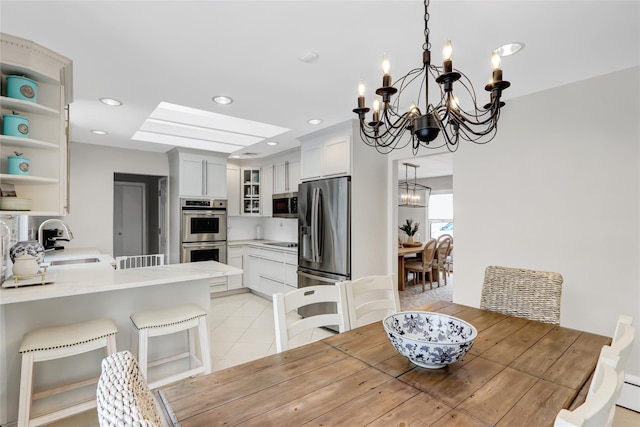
[
  {"x": 89, "y": 291},
  {"x": 98, "y": 277}
]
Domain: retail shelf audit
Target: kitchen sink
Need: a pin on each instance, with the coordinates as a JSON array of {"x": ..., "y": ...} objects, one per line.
[
  {"x": 283, "y": 244},
  {"x": 73, "y": 261}
]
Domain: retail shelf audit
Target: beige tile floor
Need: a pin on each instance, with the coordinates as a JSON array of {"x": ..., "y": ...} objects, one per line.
[{"x": 242, "y": 330}]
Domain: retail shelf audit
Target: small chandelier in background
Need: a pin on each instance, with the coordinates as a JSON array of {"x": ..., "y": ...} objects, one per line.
[
  {"x": 411, "y": 192},
  {"x": 478, "y": 125}
]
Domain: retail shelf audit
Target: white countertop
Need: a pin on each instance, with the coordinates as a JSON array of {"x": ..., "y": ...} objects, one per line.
[
  {"x": 262, "y": 244},
  {"x": 97, "y": 277}
]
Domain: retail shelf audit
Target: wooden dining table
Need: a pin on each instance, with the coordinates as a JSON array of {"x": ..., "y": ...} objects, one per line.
[
  {"x": 518, "y": 372},
  {"x": 402, "y": 251}
]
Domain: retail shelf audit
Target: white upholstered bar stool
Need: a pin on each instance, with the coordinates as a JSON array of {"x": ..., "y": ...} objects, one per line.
[
  {"x": 165, "y": 321},
  {"x": 55, "y": 343}
]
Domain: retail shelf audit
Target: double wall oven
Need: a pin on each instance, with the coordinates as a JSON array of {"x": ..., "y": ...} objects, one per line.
[{"x": 203, "y": 230}]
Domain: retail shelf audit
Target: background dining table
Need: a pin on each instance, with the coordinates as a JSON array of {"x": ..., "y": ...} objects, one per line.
[
  {"x": 402, "y": 252},
  {"x": 518, "y": 372}
]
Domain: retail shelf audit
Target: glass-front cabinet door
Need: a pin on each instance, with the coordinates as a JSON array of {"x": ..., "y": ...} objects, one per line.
[{"x": 251, "y": 191}]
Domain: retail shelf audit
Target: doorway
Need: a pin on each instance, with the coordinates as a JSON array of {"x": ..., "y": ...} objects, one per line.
[
  {"x": 139, "y": 214},
  {"x": 435, "y": 215}
]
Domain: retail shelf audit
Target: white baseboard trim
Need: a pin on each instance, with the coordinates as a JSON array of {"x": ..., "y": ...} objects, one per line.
[{"x": 630, "y": 394}]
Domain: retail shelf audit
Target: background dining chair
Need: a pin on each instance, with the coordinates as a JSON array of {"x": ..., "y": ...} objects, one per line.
[
  {"x": 288, "y": 324},
  {"x": 443, "y": 246},
  {"x": 371, "y": 299},
  {"x": 598, "y": 409},
  {"x": 448, "y": 263},
  {"x": 122, "y": 396},
  {"x": 423, "y": 265},
  {"x": 530, "y": 294}
]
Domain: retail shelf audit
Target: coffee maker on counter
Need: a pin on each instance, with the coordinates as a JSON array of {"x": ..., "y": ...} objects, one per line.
[{"x": 52, "y": 237}]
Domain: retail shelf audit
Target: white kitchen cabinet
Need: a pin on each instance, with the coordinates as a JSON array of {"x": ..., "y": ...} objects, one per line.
[
  {"x": 286, "y": 177},
  {"x": 251, "y": 191},
  {"x": 266, "y": 191},
  {"x": 47, "y": 145},
  {"x": 271, "y": 270},
  {"x": 311, "y": 159},
  {"x": 233, "y": 190},
  {"x": 324, "y": 156},
  {"x": 199, "y": 175},
  {"x": 235, "y": 256}
]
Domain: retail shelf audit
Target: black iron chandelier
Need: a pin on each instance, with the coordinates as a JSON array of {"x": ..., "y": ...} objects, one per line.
[{"x": 478, "y": 125}]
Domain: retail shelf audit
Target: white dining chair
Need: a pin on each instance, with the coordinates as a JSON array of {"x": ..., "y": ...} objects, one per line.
[
  {"x": 288, "y": 323},
  {"x": 620, "y": 347},
  {"x": 371, "y": 299},
  {"x": 599, "y": 408},
  {"x": 123, "y": 397},
  {"x": 623, "y": 338}
]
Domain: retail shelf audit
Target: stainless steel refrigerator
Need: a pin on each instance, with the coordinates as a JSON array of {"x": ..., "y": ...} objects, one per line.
[{"x": 324, "y": 236}]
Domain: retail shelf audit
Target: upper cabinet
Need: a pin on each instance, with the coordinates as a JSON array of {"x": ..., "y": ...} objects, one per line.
[
  {"x": 199, "y": 175},
  {"x": 251, "y": 191},
  {"x": 233, "y": 190},
  {"x": 286, "y": 177},
  {"x": 325, "y": 154},
  {"x": 35, "y": 124}
]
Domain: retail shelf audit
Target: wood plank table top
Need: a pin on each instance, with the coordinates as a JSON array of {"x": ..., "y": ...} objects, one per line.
[{"x": 518, "y": 372}]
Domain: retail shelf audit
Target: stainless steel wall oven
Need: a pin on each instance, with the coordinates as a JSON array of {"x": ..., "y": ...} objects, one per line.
[{"x": 203, "y": 230}]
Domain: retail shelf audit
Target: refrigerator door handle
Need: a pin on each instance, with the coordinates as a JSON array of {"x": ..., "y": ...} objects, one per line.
[
  {"x": 317, "y": 278},
  {"x": 316, "y": 255}
]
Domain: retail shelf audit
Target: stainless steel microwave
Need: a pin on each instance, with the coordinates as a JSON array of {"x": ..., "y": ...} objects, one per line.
[{"x": 285, "y": 205}]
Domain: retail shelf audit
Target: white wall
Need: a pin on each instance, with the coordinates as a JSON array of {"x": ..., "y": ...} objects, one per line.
[
  {"x": 92, "y": 169},
  {"x": 558, "y": 190}
]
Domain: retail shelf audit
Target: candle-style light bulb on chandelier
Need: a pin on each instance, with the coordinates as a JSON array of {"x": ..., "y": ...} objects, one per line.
[{"x": 388, "y": 126}]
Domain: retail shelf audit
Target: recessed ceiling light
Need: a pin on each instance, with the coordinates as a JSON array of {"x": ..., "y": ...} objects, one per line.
[
  {"x": 221, "y": 99},
  {"x": 272, "y": 143},
  {"x": 110, "y": 101},
  {"x": 314, "y": 121},
  {"x": 510, "y": 48},
  {"x": 309, "y": 57},
  {"x": 99, "y": 132}
]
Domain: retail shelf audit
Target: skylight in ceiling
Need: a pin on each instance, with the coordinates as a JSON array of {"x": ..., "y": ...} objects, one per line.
[{"x": 187, "y": 127}]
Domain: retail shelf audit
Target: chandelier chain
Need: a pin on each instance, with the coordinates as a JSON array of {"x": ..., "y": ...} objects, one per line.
[{"x": 427, "y": 44}]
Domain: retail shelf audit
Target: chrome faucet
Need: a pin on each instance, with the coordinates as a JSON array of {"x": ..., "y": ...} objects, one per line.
[{"x": 49, "y": 221}]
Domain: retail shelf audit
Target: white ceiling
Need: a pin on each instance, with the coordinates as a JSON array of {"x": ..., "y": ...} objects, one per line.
[{"x": 185, "y": 52}]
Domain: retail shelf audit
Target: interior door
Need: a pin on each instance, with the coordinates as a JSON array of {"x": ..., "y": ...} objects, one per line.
[{"x": 129, "y": 212}]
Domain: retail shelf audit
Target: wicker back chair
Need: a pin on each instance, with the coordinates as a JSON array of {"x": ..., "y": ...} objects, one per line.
[
  {"x": 423, "y": 264},
  {"x": 123, "y": 397},
  {"x": 530, "y": 294}
]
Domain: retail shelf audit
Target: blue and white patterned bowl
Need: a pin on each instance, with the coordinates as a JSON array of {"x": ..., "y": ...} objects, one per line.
[
  {"x": 430, "y": 340},
  {"x": 28, "y": 247}
]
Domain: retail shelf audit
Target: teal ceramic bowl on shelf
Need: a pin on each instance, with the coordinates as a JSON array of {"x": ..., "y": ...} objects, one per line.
[{"x": 20, "y": 87}]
